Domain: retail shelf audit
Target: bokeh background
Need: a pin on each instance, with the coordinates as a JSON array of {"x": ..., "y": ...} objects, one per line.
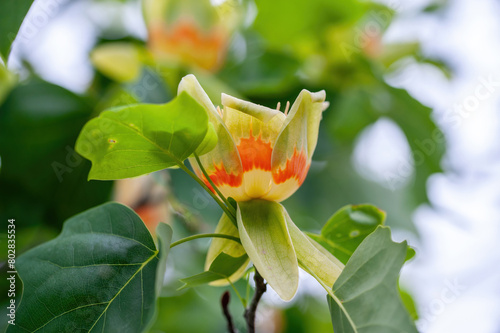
[{"x": 413, "y": 127}]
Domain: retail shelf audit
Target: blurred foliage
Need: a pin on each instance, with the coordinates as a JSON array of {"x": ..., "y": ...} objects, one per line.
[
  {"x": 9, "y": 24},
  {"x": 264, "y": 51}
]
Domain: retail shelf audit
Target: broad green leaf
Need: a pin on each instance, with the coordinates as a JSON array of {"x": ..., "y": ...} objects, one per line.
[
  {"x": 135, "y": 140},
  {"x": 13, "y": 13},
  {"x": 223, "y": 267},
  {"x": 366, "y": 296},
  {"x": 209, "y": 141},
  {"x": 347, "y": 228},
  {"x": 264, "y": 235},
  {"x": 222, "y": 245},
  {"x": 100, "y": 274}
]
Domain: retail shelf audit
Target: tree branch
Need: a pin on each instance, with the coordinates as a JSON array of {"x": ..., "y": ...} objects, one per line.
[
  {"x": 225, "y": 303},
  {"x": 260, "y": 289}
]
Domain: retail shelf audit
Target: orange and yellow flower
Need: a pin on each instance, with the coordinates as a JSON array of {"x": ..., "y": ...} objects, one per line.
[
  {"x": 261, "y": 158},
  {"x": 190, "y": 32},
  {"x": 262, "y": 153}
]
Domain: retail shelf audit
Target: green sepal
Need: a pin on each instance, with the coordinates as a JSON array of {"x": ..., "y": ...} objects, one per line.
[{"x": 264, "y": 234}]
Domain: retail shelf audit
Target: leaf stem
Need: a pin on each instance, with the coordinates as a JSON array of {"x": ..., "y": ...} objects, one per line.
[
  {"x": 212, "y": 194},
  {"x": 213, "y": 185},
  {"x": 260, "y": 289},
  {"x": 243, "y": 301},
  {"x": 187, "y": 239}
]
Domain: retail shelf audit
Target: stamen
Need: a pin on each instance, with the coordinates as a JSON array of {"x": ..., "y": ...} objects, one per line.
[
  {"x": 278, "y": 106},
  {"x": 219, "y": 111},
  {"x": 287, "y": 107}
]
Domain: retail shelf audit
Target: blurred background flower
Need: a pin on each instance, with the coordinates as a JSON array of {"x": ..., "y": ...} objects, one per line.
[{"x": 412, "y": 127}]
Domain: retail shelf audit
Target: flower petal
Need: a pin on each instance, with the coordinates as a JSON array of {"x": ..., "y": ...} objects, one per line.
[
  {"x": 295, "y": 144},
  {"x": 260, "y": 112},
  {"x": 219, "y": 245},
  {"x": 254, "y": 140},
  {"x": 313, "y": 258},
  {"x": 223, "y": 162},
  {"x": 264, "y": 234}
]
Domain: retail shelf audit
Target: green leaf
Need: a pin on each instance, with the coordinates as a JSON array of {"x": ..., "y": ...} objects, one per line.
[
  {"x": 409, "y": 303},
  {"x": 366, "y": 296},
  {"x": 13, "y": 13},
  {"x": 282, "y": 24},
  {"x": 264, "y": 235},
  {"x": 39, "y": 124},
  {"x": 221, "y": 268},
  {"x": 100, "y": 274},
  {"x": 347, "y": 228},
  {"x": 138, "y": 139},
  {"x": 427, "y": 142},
  {"x": 164, "y": 235}
]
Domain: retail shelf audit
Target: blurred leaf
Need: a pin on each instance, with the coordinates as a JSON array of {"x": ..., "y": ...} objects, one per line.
[
  {"x": 221, "y": 268},
  {"x": 281, "y": 23},
  {"x": 409, "y": 303},
  {"x": 351, "y": 112},
  {"x": 347, "y": 228},
  {"x": 366, "y": 293},
  {"x": 99, "y": 274},
  {"x": 427, "y": 142},
  {"x": 7, "y": 82},
  {"x": 120, "y": 61},
  {"x": 394, "y": 52},
  {"x": 410, "y": 253},
  {"x": 262, "y": 74},
  {"x": 14, "y": 12},
  {"x": 149, "y": 87},
  {"x": 39, "y": 124},
  {"x": 138, "y": 139}
]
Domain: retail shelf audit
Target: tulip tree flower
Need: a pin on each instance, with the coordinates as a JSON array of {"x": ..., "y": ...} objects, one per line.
[
  {"x": 261, "y": 158},
  {"x": 192, "y": 32}
]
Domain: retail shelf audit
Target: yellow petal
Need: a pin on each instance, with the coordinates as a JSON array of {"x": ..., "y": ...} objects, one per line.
[
  {"x": 296, "y": 142},
  {"x": 223, "y": 162}
]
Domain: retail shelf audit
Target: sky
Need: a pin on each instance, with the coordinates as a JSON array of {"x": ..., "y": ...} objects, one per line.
[{"x": 455, "y": 278}]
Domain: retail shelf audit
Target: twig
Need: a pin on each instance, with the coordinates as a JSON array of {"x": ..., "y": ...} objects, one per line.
[
  {"x": 224, "y": 301},
  {"x": 260, "y": 289}
]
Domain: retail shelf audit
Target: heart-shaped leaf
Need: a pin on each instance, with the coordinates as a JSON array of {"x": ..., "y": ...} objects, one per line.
[
  {"x": 101, "y": 274},
  {"x": 138, "y": 139},
  {"x": 365, "y": 296},
  {"x": 347, "y": 228}
]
